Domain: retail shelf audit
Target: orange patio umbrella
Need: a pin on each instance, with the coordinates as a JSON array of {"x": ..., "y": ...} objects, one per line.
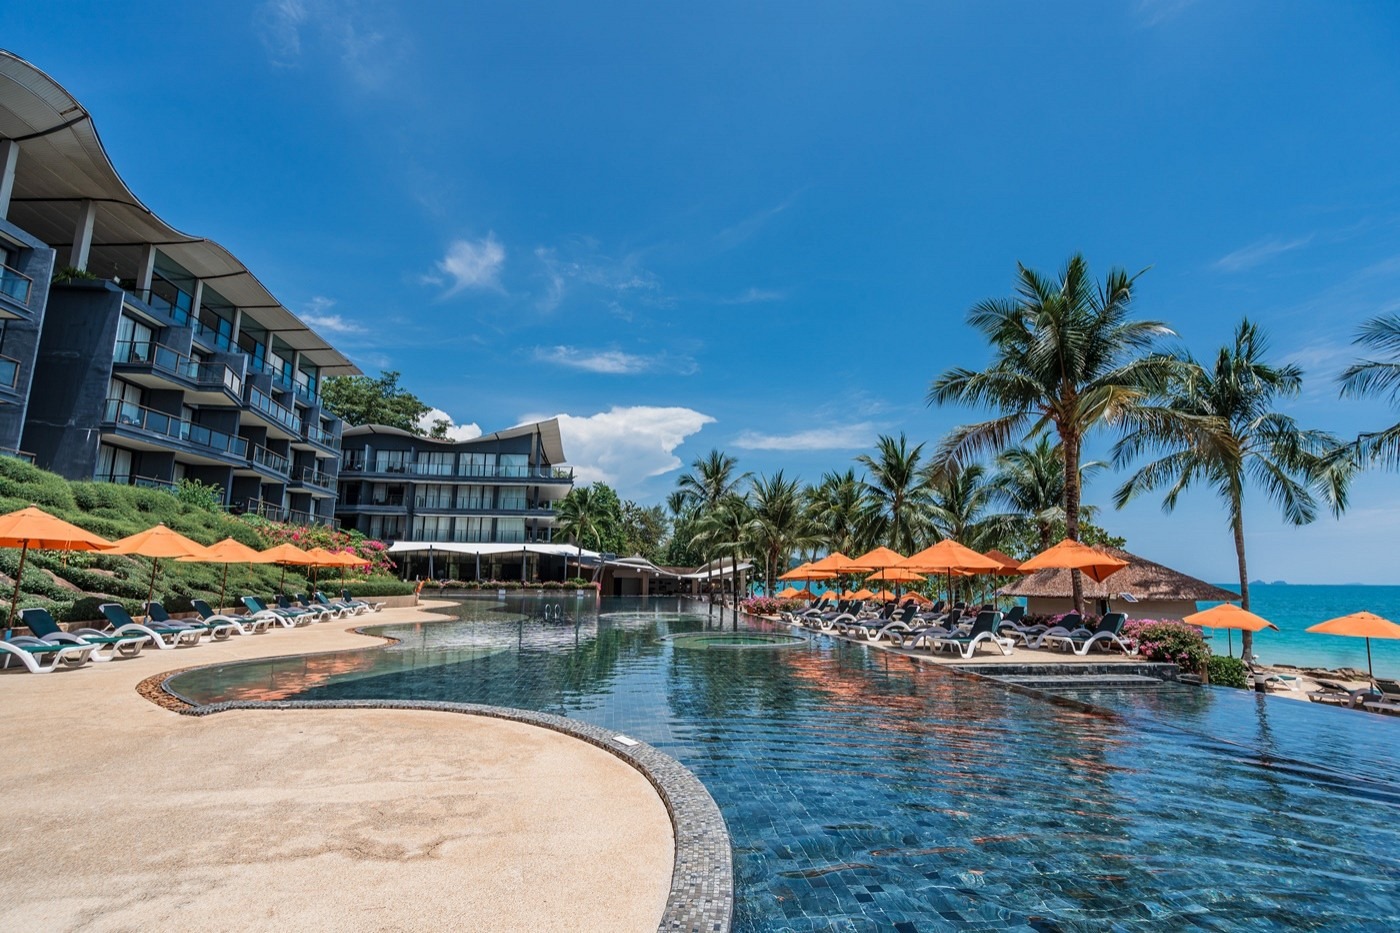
[
  {"x": 33, "y": 527},
  {"x": 862, "y": 593},
  {"x": 1009, "y": 565},
  {"x": 895, "y": 575},
  {"x": 948, "y": 557},
  {"x": 1365, "y": 625},
  {"x": 788, "y": 593},
  {"x": 878, "y": 559},
  {"x": 1074, "y": 555},
  {"x": 834, "y": 563},
  {"x": 1231, "y": 618},
  {"x": 348, "y": 559},
  {"x": 807, "y": 572},
  {"x": 156, "y": 543},
  {"x": 287, "y": 555},
  {"x": 883, "y": 596},
  {"x": 919, "y": 598},
  {"x": 227, "y": 551}
]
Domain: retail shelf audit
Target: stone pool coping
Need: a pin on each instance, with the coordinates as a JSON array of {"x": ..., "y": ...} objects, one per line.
[{"x": 701, "y": 899}]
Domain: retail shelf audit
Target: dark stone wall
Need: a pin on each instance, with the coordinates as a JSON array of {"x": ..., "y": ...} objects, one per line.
[
  {"x": 21, "y": 336},
  {"x": 71, "y": 373}
]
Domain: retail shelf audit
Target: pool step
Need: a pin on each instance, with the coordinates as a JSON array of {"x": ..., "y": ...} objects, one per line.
[{"x": 1053, "y": 682}]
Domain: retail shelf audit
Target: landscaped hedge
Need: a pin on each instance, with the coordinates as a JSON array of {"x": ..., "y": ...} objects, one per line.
[
  {"x": 364, "y": 588},
  {"x": 72, "y": 584},
  {"x": 1227, "y": 672}
]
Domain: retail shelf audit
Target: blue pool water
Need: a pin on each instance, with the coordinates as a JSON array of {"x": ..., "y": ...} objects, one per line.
[{"x": 865, "y": 792}]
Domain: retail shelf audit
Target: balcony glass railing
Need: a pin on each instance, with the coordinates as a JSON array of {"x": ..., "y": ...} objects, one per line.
[
  {"x": 315, "y": 477},
  {"x": 167, "y": 360},
  {"x": 150, "y": 421},
  {"x": 515, "y": 472},
  {"x": 324, "y": 438},
  {"x": 15, "y": 284},
  {"x": 24, "y": 455},
  {"x": 271, "y": 460},
  {"x": 261, "y": 403},
  {"x": 9, "y": 372}
]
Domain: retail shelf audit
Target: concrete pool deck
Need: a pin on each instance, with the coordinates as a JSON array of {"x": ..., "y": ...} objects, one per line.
[{"x": 122, "y": 815}]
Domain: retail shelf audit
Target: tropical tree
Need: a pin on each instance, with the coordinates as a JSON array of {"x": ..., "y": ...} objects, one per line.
[
  {"x": 1066, "y": 357},
  {"x": 727, "y": 530},
  {"x": 710, "y": 479},
  {"x": 780, "y": 524},
  {"x": 366, "y": 400},
  {"x": 582, "y": 517},
  {"x": 1030, "y": 482},
  {"x": 1377, "y": 378},
  {"x": 896, "y": 493},
  {"x": 834, "y": 509},
  {"x": 1258, "y": 445},
  {"x": 961, "y": 508}
]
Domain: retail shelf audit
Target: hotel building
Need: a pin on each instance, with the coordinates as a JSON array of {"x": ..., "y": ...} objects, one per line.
[
  {"x": 492, "y": 495},
  {"x": 133, "y": 353}
]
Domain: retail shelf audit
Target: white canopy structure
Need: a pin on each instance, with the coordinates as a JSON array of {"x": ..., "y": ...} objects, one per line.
[{"x": 484, "y": 549}]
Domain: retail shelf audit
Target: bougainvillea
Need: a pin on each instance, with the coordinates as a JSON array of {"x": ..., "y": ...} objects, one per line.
[
  {"x": 1169, "y": 641},
  {"x": 769, "y": 605},
  {"x": 335, "y": 540}
]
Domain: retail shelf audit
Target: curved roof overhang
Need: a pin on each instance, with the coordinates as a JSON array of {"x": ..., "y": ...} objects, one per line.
[
  {"x": 550, "y": 440},
  {"x": 62, "y": 160}
]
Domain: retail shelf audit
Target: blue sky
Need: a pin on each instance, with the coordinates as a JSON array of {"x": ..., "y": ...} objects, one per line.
[{"x": 759, "y": 227}]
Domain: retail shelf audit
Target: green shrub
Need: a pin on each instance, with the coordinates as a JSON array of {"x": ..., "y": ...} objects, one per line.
[
  {"x": 382, "y": 586},
  {"x": 1227, "y": 672},
  {"x": 1169, "y": 641},
  {"x": 205, "y": 496}
]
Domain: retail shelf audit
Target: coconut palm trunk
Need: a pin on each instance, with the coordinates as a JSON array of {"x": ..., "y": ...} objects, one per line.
[
  {"x": 1237, "y": 526},
  {"x": 1072, "y": 500}
]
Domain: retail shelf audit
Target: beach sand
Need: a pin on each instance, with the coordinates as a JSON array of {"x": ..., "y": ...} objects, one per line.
[{"x": 123, "y": 815}]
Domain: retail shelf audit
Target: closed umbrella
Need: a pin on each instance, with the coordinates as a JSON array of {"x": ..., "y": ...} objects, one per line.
[
  {"x": 1231, "y": 618},
  {"x": 156, "y": 543},
  {"x": 1365, "y": 625},
  {"x": 33, "y": 527},
  {"x": 228, "y": 551}
]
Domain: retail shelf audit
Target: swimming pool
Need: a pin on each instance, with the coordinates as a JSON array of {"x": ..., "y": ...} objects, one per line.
[{"x": 865, "y": 792}]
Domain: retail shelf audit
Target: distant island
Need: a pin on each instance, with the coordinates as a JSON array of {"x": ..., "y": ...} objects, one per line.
[{"x": 1267, "y": 583}]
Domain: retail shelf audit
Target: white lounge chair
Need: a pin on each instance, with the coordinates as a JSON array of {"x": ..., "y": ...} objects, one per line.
[
  {"x": 257, "y": 624},
  {"x": 1109, "y": 631},
  {"x": 32, "y": 653},
  {"x": 116, "y": 646},
  {"x": 163, "y": 637},
  {"x": 983, "y": 632}
]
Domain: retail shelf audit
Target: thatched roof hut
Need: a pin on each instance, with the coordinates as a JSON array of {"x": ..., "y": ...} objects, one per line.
[{"x": 1159, "y": 592}]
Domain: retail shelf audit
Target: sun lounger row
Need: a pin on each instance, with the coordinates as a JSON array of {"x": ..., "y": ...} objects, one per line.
[
  {"x": 1381, "y": 696},
  {"x": 51, "y": 648}
]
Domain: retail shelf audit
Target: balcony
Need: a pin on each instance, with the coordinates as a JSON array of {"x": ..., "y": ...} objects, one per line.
[
  {"x": 280, "y": 513},
  {"x": 443, "y": 473},
  {"x": 153, "y": 364},
  {"x": 310, "y": 476},
  {"x": 138, "y": 422},
  {"x": 9, "y": 373},
  {"x": 16, "y": 286},
  {"x": 320, "y": 438},
  {"x": 270, "y": 461},
  {"x": 280, "y": 417},
  {"x": 24, "y": 455}
]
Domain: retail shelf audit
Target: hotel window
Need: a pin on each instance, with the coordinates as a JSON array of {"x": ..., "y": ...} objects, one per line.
[
  {"x": 433, "y": 497},
  {"x": 511, "y": 499},
  {"x": 510, "y": 530},
  {"x": 432, "y": 528},
  {"x": 113, "y": 465},
  {"x": 515, "y": 464},
  {"x": 386, "y": 494},
  {"x": 474, "y": 497},
  {"x": 391, "y": 461},
  {"x": 385, "y": 527},
  {"x": 123, "y": 403},
  {"x": 134, "y": 341},
  {"x": 475, "y": 464},
  {"x": 434, "y": 463},
  {"x": 472, "y": 529}
]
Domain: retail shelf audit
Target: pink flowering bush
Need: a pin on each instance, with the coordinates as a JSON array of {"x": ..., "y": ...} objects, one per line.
[
  {"x": 335, "y": 540},
  {"x": 1169, "y": 641},
  {"x": 768, "y": 605}
]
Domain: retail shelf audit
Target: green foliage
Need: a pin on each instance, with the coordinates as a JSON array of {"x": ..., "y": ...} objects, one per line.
[
  {"x": 591, "y": 516},
  {"x": 66, "y": 274},
  {"x": 201, "y": 495},
  {"x": 366, "y": 588},
  {"x": 1227, "y": 672},
  {"x": 365, "y": 400}
]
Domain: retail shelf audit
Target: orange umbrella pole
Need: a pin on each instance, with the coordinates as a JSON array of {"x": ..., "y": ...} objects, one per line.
[{"x": 14, "y": 600}]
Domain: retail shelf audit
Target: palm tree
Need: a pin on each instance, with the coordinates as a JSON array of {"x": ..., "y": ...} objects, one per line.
[
  {"x": 711, "y": 478},
  {"x": 780, "y": 524},
  {"x": 1030, "y": 481},
  {"x": 834, "y": 511},
  {"x": 961, "y": 509},
  {"x": 1377, "y": 378},
  {"x": 580, "y": 516},
  {"x": 896, "y": 493},
  {"x": 1259, "y": 444},
  {"x": 728, "y": 530},
  {"x": 1067, "y": 358}
]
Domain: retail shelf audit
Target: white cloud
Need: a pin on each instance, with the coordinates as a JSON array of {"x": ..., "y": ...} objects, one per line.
[
  {"x": 470, "y": 264},
  {"x": 835, "y": 437},
  {"x": 317, "y": 315},
  {"x": 624, "y": 446},
  {"x": 1157, "y": 12},
  {"x": 1258, "y": 253},
  {"x": 587, "y": 270},
  {"x": 613, "y": 362},
  {"x": 279, "y": 25},
  {"x": 455, "y": 431}
]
